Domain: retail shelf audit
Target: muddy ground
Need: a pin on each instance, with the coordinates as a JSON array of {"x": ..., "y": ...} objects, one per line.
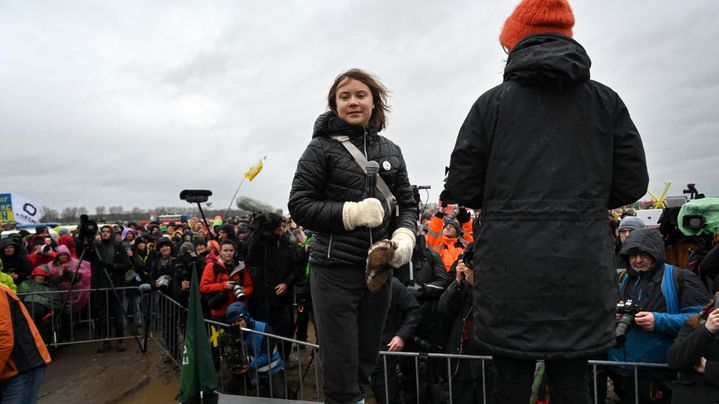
[{"x": 79, "y": 374}]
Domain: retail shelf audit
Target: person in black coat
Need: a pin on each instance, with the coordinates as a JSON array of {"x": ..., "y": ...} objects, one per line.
[
  {"x": 544, "y": 155},
  {"x": 330, "y": 196},
  {"x": 695, "y": 355},
  {"x": 403, "y": 317},
  {"x": 275, "y": 261},
  {"x": 471, "y": 382},
  {"x": 14, "y": 263},
  {"x": 109, "y": 262}
]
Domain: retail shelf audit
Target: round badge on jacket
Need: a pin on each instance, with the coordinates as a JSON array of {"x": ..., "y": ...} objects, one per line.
[{"x": 386, "y": 165}]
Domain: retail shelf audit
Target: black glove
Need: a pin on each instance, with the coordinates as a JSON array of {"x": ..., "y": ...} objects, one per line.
[
  {"x": 463, "y": 215},
  {"x": 439, "y": 214}
]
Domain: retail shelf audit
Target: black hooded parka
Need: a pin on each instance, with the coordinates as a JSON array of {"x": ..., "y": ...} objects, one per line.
[{"x": 544, "y": 155}]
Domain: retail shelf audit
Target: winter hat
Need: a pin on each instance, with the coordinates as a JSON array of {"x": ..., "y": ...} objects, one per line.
[
  {"x": 63, "y": 231},
  {"x": 187, "y": 247},
  {"x": 228, "y": 228},
  {"x": 41, "y": 270},
  {"x": 163, "y": 241},
  {"x": 455, "y": 225},
  {"x": 236, "y": 311},
  {"x": 536, "y": 17},
  {"x": 631, "y": 222},
  {"x": 199, "y": 241}
]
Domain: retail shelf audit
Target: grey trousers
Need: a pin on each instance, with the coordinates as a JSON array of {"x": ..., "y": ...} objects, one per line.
[{"x": 349, "y": 324}]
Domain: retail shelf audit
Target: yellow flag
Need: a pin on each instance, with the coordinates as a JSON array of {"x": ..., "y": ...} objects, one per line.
[{"x": 254, "y": 170}]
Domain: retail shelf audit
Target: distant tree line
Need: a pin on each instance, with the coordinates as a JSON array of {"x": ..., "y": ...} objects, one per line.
[{"x": 71, "y": 214}]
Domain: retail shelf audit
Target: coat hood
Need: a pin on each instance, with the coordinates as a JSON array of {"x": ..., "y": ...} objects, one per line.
[
  {"x": 645, "y": 240},
  {"x": 62, "y": 249},
  {"x": 9, "y": 241},
  {"x": 329, "y": 124},
  {"x": 127, "y": 230},
  {"x": 548, "y": 59}
]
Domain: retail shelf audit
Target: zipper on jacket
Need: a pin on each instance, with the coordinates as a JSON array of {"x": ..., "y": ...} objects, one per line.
[{"x": 329, "y": 246}]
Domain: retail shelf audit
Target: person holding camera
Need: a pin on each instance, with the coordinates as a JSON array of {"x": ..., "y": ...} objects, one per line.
[
  {"x": 263, "y": 364},
  {"x": 333, "y": 196},
  {"x": 225, "y": 281},
  {"x": 275, "y": 261},
  {"x": 695, "y": 355},
  {"x": 109, "y": 262},
  {"x": 662, "y": 297},
  {"x": 455, "y": 307},
  {"x": 449, "y": 237},
  {"x": 42, "y": 251}
]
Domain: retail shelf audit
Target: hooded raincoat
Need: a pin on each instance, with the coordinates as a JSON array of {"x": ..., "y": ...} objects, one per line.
[{"x": 544, "y": 155}]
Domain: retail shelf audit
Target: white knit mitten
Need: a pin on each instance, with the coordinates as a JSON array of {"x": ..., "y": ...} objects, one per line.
[
  {"x": 366, "y": 213},
  {"x": 404, "y": 239}
]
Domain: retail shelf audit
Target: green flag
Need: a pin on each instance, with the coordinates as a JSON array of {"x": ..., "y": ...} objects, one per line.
[{"x": 198, "y": 370}]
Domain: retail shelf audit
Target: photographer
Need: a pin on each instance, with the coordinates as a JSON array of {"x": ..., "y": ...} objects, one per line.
[
  {"x": 455, "y": 307},
  {"x": 403, "y": 317},
  {"x": 225, "y": 281},
  {"x": 665, "y": 296},
  {"x": 274, "y": 260},
  {"x": 109, "y": 262},
  {"x": 185, "y": 263},
  {"x": 42, "y": 252},
  {"x": 263, "y": 364}
]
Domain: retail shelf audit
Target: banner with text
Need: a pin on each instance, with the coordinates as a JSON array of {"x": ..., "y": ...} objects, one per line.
[{"x": 14, "y": 207}]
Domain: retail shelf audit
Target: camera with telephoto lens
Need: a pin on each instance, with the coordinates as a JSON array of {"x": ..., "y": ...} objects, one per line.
[
  {"x": 628, "y": 311},
  {"x": 239, "y": 292},
  {"x": 164, "y": 281}
]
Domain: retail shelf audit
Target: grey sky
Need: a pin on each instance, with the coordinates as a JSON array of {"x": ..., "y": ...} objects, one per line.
[{"x": 127, "y": 103}]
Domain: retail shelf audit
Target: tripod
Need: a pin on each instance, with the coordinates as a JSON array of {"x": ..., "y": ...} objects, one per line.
[{"x": 88, "y": 244}]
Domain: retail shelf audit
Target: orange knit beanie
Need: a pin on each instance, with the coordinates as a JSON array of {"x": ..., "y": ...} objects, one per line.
[{"x": 536, "y": 17}]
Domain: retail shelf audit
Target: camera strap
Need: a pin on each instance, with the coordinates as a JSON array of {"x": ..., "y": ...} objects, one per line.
[{"x": 361, "y": 161}]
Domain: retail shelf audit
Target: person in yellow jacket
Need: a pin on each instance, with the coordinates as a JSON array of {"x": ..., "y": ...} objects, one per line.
[
  {"x": 450, "y": 237},
  {"x": 23, "y": 355}
]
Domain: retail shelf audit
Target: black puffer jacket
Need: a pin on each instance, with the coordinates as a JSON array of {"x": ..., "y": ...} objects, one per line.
[
  {"x": 544, "y": 155},
  {"x": 327, "y": 176}
]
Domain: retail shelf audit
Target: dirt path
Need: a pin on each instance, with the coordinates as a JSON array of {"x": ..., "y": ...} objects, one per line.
[{"x": 79, "y": 374}]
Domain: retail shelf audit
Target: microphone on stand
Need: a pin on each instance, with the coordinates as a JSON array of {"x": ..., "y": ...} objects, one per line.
[{"x": 372, "y": 168}]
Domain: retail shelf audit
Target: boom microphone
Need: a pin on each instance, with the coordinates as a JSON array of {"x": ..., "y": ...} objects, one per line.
[
  {"x": 253, "y": 205},
  {"x": 372, "y": 169}
]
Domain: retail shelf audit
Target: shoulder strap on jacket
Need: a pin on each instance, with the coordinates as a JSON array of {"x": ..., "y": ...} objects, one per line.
[
  {"x": 362, "y": 162},
  {"x": 669, "y": 289}
]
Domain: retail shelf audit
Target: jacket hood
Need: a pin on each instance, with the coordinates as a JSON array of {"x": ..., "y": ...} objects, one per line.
[
  {"x": 329, "y": 124},
  {"x": 548, "y": 59},
  {"x": 127, "y": 230},
  {"x": 645, "y": 240},
  {"x": 62, "y": 249},
  {"x": 9, "y": 241}
]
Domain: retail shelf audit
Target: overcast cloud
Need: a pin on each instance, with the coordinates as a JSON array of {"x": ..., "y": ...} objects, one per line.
[{"x": 127, "y": 103}]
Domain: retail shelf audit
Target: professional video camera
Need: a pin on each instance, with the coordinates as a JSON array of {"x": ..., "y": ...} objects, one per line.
[
  {"x": 628, "y": 311},
  {"x": 264, "y": 224},
  {"x": 87, "y": 230},
  {"x": 233, "y": 350}
]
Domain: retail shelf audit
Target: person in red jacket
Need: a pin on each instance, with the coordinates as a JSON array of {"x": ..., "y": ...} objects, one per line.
[
  {"x": 42, "y": 252},
  {"x": 220, "y": 278},
  {"x": 23, "y": 355}
]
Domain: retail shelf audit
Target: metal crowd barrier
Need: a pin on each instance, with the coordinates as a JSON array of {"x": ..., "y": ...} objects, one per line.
[
  {"x": 79, "y": 322},
  {"x": 163, "y": 321}
]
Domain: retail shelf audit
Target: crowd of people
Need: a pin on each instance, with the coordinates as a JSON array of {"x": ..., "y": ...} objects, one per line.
[
  {"x": 258, "y": 271},
  {"x": 530, "y": 277}
]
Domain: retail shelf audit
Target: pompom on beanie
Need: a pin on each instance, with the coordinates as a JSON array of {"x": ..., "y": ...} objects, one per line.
[{"x": 536, "y": 17}]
